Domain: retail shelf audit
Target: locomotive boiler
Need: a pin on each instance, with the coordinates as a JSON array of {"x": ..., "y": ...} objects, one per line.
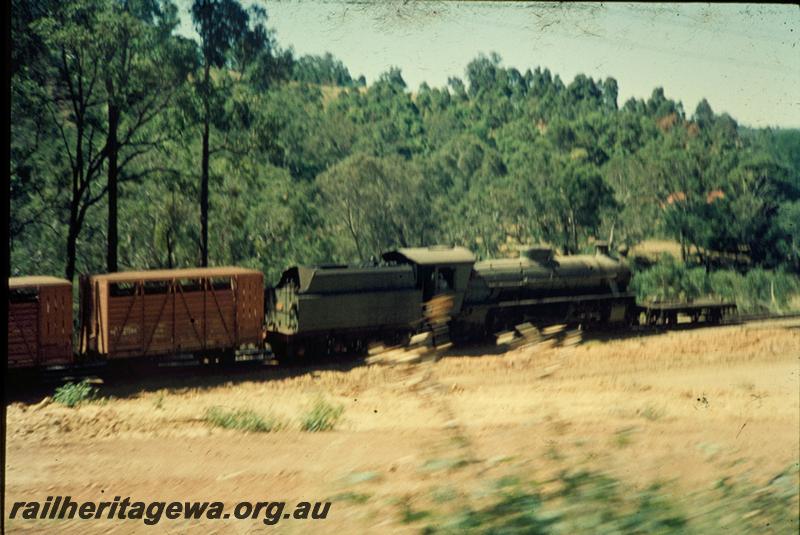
[{"x": 545, "y": 288}]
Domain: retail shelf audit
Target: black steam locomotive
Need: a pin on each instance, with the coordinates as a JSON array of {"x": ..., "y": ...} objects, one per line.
[{"x": 328, "y": 309}]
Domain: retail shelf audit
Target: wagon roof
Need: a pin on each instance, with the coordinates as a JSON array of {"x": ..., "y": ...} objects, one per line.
[
  {"x": 169, "y": 274},
  {"x": 36, "y": 280},
  {"x": 436, "y": 254}
]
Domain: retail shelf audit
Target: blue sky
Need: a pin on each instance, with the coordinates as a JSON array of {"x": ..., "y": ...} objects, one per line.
[{"x": 743, "y": 58}]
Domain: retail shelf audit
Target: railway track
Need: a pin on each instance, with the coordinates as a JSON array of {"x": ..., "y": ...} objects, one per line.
[
  {"x": 743, "y": 318},
  {"x": 38, "y": 381},
  {"x": 736, "y": 319}
]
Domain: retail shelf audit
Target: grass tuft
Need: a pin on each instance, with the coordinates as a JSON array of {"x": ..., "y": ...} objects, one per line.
[
  {"x": 244, "y": 420},
  {"x": 322, "y": 417},
  {"x": 73, "y": 394},
  {"x": 652, "y": 413},
  {"x": 624, "y": 437},
  {"x": 435, "y": 465},
  {"x": 409, "y": 515}
]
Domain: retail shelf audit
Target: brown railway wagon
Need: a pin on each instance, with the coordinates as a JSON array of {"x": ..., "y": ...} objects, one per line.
[
  {"x": 39, "y": 322},
  {"x": 202, "y": 311}
]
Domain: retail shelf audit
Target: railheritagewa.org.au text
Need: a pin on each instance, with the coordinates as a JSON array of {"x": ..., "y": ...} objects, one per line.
[{"x": 153, "y": 512}]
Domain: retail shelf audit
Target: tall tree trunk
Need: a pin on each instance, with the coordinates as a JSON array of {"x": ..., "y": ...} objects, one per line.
[
  {"x": 113, "y": 172},
  {"x": 573, "y": 231},
  {"x": 683, "y": 246},
  {"x": 74, "y": 221},
  {"x": 72, "y": 239},
  {"x": 204, "y": 176},
  {"x": 170, "y": 252},
  {"x": 169, "y": 249}
]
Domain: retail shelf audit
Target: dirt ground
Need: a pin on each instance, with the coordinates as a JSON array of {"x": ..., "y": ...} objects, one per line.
[{"x": 688, "y": 407}]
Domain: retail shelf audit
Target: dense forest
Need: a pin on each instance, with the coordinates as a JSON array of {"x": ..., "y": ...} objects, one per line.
[{"x": 135, "y": 147}]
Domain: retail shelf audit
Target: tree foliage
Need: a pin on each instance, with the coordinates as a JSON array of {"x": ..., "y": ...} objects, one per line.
[{"x": 229, "y": 150}]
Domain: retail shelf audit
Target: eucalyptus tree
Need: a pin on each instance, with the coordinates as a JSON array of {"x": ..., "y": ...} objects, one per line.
[
  {"x": 33, "y": 136},
  {"x": 375, "y": 203},
  {"x": 144, "y": 66},
  {"x": 230, "y": 37},
  {"x": 94, "y": 75},
  {"x": 72, "y": 100}
]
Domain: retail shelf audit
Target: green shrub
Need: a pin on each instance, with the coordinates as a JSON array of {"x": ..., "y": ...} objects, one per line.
[
  {"x": 73, "y": 394},
  {"x": 586, "y": 501},
  {"x": 322, "y": 417},
  {"x": 244, "y": 420},
  {"x": 768, "y": 290},
  {"x": 726, "y": 284},
  {"x": 757, "y": 291}
]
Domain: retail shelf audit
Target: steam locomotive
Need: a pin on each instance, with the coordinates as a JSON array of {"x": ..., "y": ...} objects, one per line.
[{"x": 327, "y": 309}]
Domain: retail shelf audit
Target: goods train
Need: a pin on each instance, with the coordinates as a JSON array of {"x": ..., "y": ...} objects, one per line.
[{"x": 224, "y": 314}]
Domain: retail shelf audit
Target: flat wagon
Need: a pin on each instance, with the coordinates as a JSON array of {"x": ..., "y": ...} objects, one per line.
[
  {"x": 39, "y": 322},
  {"x": 701, "y": 310},
  {"x": 204, "y": 312}
]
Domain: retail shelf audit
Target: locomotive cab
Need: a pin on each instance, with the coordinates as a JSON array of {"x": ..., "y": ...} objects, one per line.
[{"x": 438, "y": 270}]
